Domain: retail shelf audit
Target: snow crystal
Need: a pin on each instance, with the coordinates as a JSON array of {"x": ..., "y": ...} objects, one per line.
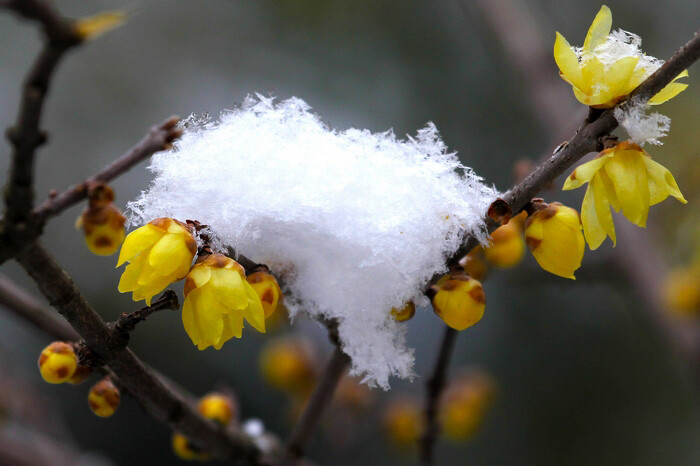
[
  {"x": 620, "y": 44},
  {"x": 354, "y": 222},
  {"x": 640, "y": 127}
]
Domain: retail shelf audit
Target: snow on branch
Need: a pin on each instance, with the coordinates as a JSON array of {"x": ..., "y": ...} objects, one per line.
[{"x": 355, "y": 222}]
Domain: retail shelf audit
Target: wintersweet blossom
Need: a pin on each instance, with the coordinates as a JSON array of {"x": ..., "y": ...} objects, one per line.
[
  {"x": 553, "y": 234},
  {"x": 459, "y": 300},
  {"x": 609, "y": 65},
  {"x": 217, "y": 299},
  {"x": 159, "y": 253},
  {"x": 626, "y": 178}
]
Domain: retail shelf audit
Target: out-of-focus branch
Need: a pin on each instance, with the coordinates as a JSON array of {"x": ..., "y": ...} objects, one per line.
[
  {"x": 160, "y": 137},
  {"x": 26, "y": 135},
  {"x": 154, "y": 396},
  {"x": 26, "y": 307},
  {"x": 434, "y": 387},
  {"x": 319, "y": 400}
]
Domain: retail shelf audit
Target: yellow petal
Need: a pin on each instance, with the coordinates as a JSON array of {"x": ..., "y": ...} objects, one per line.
[
  {"x": 602, "y": 208},
  {"x": 169, "y": 254},
  {"x": 594, "y": 80},
  {"x": 599, "y": 30},
  {"x": 609, "y": 190},
  {"x": 189, "y": 319},
  {"x": 89, "y": 28},
  {"x": 628, "y": 174},
  {"x": 592, "y": 229},
  {"x": 227, "y": 286},
  {"x": 661, "y": 183},
  {"x": 667, "y": 93},
  {"x": 254, "y": 313},
  {"x": 618, "y": 77},
  {"x": 129, "y": 279},
  {"x": 211, "y": 320},
  {"x": 137, "y": 241},
  {"x": 567, "y": 61},
  {"x": 200, "y": 275},
  {"x": 584, "y": 173},
  {"x": 235, "y": 322}
]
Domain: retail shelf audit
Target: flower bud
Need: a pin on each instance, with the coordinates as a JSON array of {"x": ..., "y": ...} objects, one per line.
[
  {"x": 218, "y": 407},
  {"x": 185, "y": 450},
  {"x": 459, "y": 300},
  {"x": 403, "y": 421},
  {"x": 57, "y": 362},
  {"x": 681, "y": 291},
  {"x": 553, "y": 234},
  {"x": 507, "y": 246},
  {"x": 464, "y": 405},
  {"x": 80, "y": 375},
  {"x": 104, "y": 398},
  {"x": 102, "y": 222},
  {"x": 474, "y": 264},
  {"x": 288, "y": 364},
  {"x": 93, "y": 26},
  {"x": 267, "y": 288},
  {"x": 405, "y": 313}
]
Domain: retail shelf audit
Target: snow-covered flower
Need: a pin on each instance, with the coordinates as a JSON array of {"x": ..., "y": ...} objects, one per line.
[
  {"x": 609, "y": 65},
  {"x": 355, "y": 223},
  {"x": 626, "y": 178}
]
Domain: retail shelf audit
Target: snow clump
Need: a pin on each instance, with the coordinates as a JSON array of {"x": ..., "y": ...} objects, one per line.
[{"x": 353, "y": 222}]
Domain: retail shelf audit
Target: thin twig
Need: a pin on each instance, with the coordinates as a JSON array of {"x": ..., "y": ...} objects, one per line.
[
  {"x": 26, "y": 135},
  {"x": 317, "y": 404},
  {"x": 128, "y": 320},
  {"x": 155, "y": 397},
  {"x": 434, "y": 388},
  {"x": 159, "y": 137}
]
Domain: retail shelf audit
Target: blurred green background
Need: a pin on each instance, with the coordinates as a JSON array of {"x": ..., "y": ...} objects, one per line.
[{"x": 584, "y": 374}]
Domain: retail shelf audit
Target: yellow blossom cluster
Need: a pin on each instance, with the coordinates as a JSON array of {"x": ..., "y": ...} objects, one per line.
[{"x": 218, "y": 296}]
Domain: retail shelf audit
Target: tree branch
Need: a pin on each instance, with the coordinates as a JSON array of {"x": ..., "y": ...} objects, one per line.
[
  {"x": 159, "y": 137},
  {"x": 318, "y": 402},
  {"x": 154, "y": 396},
  {"x": 26, "y": 136},
  {"x": 434, "y": 388},
  {"x": 24, "y": 306}
]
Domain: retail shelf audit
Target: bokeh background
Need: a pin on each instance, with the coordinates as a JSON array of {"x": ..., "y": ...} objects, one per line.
[{"x": 587, "y": 371}]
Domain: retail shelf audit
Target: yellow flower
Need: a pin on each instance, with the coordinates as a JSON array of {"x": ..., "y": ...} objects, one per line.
[
  {"x": 57, "y": 362},
  {"x": 217, "y": 298},
  {"x": 507, "y": 246},
  {"x": 159, "y": 253},
  {"x": 185, "y": 450},
  {"x": 218, "y": 407},
  {"x": 403, "y": 421},
  {"x": 404, "y": 314},
  {"x": 289, "y": 364},
  {"x": 609, "y": 66},
  {"x": 93, "y": 26},
  {"x": 465, "y": 403},
  {"x": 553, "y": 234},
  {"x": 102, "y": 222},
  {"x": 267, "y": 288},
  {"x": 681, "y": 291},
  {"x": 626, "y": 178},
  {"x": 104, "y": 398},
  {"x": 459, "y": 300}
]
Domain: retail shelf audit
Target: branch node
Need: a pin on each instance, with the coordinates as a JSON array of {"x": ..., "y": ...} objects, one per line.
[{"x": 128, "y": 320}]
